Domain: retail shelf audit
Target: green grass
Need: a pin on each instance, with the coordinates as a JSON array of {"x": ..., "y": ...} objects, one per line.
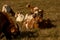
[{"x": 51, "y": 9}]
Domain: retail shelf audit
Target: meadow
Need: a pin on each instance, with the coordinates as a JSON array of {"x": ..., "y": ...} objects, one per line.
[{"x": 51, "y": 9}]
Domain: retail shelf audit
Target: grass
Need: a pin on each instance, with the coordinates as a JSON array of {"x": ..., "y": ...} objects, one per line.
[{"x": 51, "y": 9}]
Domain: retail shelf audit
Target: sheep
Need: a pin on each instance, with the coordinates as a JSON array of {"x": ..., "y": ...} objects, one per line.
[{"x": 6, "y": 8}]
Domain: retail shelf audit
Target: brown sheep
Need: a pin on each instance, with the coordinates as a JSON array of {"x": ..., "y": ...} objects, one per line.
[{"x": 7, "y": 25}]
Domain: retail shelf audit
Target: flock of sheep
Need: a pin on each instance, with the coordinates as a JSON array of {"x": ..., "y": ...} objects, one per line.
[
  {"x": 30, "y": 21},
  {"x": 35, "y": 15}
]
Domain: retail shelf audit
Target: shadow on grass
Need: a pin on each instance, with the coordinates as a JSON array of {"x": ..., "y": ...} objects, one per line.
[
  {"x": 28, "y": 34},
  {"x": 46, "y": 24}
]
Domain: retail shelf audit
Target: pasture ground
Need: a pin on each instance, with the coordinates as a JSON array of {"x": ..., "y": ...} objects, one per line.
[{"x": 51, "y": 9}]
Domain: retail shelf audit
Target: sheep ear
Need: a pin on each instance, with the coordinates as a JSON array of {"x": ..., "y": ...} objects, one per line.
[
  {"x": 28, "y": 5},
  {"x": 40, "y": 10}
]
